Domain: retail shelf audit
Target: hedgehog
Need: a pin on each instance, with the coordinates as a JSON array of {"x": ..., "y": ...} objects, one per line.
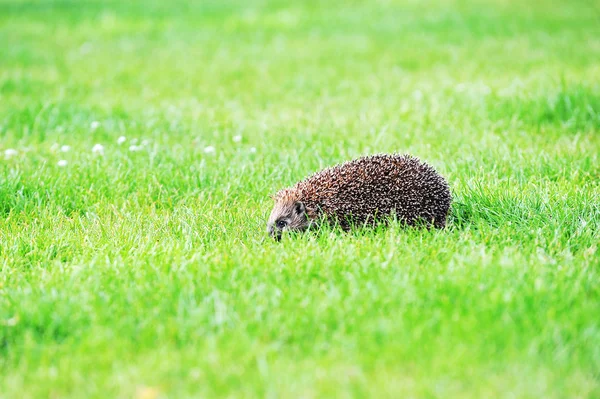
[{"x": 364, "y": 192}]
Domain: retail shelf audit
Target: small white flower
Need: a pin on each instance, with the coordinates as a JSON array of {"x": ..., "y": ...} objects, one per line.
[
  {"x": 209, "y": 149},
  {"x": 195, "y": 373},
  {"x": 145, "y": 142},
  {"x": 134, "y": 148},
  {"x": 121, "y": 140},
  {"x": 95, "y": 125},
  {"x": 62, "y": 163},
  {"x": 65, "y": 148},
  {"x": 252, "y": 150},
  {"x": 98, "y": 149},
  {"x": 85, "y": 48},
  {"x": 134, "y": 140},
  {"x": 9, "y": 153},
  {"x": 237, "y": 139},
  {"x": 54, "y": 147}
]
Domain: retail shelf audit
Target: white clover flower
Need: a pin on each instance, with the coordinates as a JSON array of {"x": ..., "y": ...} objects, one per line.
[
  {"x": 65, "y": 148},
  {"x": 209, "y": 149},
  {"x": 145, "y": 142},
  {"x": 10, "y": 152},
  {"x": 62, "y": 163},
  {"x": 95, "y": 125},
  {"x": 134, "y": 148},
  {"x": 121, "y": 140},
  {"x": 237, "y": 139},
  {"x": 252, "y": 150},
  {"x": 85, "y": 48},
  {"x": 98, "y": 149}
]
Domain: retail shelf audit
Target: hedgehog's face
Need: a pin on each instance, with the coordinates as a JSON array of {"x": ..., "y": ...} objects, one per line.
[{"x": 287, "y": 216}]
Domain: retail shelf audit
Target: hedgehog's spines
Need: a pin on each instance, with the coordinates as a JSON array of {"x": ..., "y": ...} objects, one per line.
[{"x": 379, "y": 184}]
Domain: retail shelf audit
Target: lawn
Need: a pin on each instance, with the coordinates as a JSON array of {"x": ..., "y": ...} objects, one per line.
[{"x": 140, "y": 142}]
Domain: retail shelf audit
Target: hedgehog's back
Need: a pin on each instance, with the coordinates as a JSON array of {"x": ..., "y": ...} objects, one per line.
[{"x": 378, "y": 186}]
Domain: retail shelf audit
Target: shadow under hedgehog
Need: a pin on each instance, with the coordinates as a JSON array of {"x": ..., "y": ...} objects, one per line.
[{"x": 364, "y": 191}]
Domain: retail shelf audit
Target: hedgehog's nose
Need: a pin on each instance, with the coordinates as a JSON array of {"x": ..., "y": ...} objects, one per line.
[{"x": 276, "y": 234}]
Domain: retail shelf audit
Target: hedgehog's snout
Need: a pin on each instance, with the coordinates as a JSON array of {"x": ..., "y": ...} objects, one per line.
[
  {"x": 287, "y": 216},
  {"x": 274, "y": 232}
]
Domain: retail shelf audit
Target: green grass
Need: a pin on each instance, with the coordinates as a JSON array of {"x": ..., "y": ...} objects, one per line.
[{"x": 149, "y": 274}]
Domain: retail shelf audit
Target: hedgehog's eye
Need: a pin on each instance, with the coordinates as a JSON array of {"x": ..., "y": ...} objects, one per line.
[{"x": 281, "y": 224}]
